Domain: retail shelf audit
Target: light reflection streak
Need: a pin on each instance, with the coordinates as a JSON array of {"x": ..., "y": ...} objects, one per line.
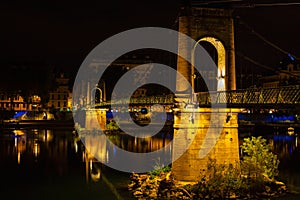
[
  {"x": 36, "y": 149},
  {"x": 19, "y": 143},
  {"x": 76, "y": 146},
  {"x": 19, "y": 157}
]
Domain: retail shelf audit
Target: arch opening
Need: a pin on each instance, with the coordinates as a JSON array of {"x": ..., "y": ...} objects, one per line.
[{"x": 216, "y": 50}]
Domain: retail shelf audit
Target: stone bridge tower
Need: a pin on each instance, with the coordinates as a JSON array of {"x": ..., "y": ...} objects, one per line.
[
  {"x": 214, "y": 26},
  {"x": 211, "y": 130}
]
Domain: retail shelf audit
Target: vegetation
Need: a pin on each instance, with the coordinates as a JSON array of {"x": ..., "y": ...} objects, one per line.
[
  {"x": 257, "y": 160},
  {"x": 253, "y": 177},
  {"x": 158, "y": 169},
  {"x": 112, "y": 126},
  {"x": 219, "y": 181}
]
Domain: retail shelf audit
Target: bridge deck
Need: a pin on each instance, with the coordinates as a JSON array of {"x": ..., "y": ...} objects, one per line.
[{"x": 266, "y": 97}]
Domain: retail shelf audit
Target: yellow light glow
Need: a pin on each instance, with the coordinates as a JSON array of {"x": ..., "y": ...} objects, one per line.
[
  {"x": 19, "y": 157},
  {"x": 76, "y": 146},
  {"x": 18, "y": 132},
  {"x": 36, "y": 149},
  {"x": 221, "y": 58}
]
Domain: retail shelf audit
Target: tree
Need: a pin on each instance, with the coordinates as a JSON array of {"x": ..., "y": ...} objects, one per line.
[{"x": 258, "y": 161}]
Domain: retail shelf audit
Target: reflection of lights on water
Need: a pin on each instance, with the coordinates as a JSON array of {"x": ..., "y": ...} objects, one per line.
[
  {"x": 36, "y": 149},
  {"x": 48, "y": 136},
  {"x": 35, "y": 131},
  {"x": 76, "y": 146},
  {"x": 96, "y": 176},
  {"x": 291, "y": 149},
  {"x": 19, "y": 157},
  {"x": 95, "y": 171},
  {"x": 296, "y": 141},
  {"x": 20, "y": 145},
  {"x": 291, "y": 131}
]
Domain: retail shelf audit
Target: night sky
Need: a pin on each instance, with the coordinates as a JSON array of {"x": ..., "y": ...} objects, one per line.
[{"x": 61, "y": 33}]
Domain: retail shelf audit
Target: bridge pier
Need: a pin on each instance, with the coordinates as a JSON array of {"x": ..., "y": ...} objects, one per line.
[
  {"x": 95, "y": 119},
  {"x": 188, "y": 166}
]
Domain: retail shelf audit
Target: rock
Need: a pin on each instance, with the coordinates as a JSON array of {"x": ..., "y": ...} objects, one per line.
[
  {"x": 143, "y": 177},
  {"x": 138, "y": 193},
  {"x": 153, "y": 194},
  {"x": 279, "y": 183},
  {"x": 268, "y": 189}
]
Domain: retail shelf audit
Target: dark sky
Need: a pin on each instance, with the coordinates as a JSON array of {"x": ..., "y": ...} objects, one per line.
[{"x": 62, "y": 33}]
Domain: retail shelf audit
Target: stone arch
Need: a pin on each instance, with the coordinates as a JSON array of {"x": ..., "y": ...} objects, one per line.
[
  {"x": 221, "y": 61},
  {"x": 215, "y": 26}
]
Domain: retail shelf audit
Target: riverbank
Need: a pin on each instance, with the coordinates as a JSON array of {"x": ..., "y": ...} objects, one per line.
[
  {"x": 165, "y": 186},
  {"x": 255, "y": 176},
  {"x": 20, "y": 124}
]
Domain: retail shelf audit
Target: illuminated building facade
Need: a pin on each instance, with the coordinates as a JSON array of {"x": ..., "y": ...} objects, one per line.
[
  {"x": 61, "y": 97},
  {"x": 17, "y": 102}
]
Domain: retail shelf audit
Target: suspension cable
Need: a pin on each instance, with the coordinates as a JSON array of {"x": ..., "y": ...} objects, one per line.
[
  {"x": 265, "y": 40},
  {"x": 265, "y": 66}
]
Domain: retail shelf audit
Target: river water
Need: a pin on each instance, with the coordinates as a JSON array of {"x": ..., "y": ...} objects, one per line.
[{"x": 53, "y": 164}]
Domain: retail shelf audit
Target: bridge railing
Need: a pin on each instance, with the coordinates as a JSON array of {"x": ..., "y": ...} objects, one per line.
[
  {"x": 281, "y": 95},
  {"x": 162, "y": 99},
  {"x": 253, "y": 96}
]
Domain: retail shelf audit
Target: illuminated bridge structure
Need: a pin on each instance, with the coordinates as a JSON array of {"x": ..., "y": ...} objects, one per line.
[
  {"x": 282, "y": 97},
  {"x": 191, "y": 121}
]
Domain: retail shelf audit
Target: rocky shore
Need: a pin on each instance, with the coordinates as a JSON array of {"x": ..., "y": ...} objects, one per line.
[{"x": 164, "y": 186}]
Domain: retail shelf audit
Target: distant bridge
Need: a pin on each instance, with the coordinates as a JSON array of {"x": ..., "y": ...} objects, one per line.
[{"x": 284, "y": 96}]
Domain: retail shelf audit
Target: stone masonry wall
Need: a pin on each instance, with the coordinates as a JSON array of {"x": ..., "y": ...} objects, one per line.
[{"x": 189, "y": 166}]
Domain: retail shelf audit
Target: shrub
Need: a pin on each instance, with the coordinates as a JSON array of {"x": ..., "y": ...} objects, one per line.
[
  {"x": 112, "y": 126},
  {"x": 158, "y": 169},
  {"x": 258, "y": 161},
  {"x": 219, "y": 181},
  {"x": 258, "y": 168}
]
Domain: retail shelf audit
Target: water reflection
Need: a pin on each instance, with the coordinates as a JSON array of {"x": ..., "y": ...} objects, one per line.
[
  {"x": 286, "y": 147},
  {"x": 24, "y": 140},
  {"x": 43, "y": 160},
  {"x": 27, "y": 147},
  {"x": 122, "y": 151}
]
